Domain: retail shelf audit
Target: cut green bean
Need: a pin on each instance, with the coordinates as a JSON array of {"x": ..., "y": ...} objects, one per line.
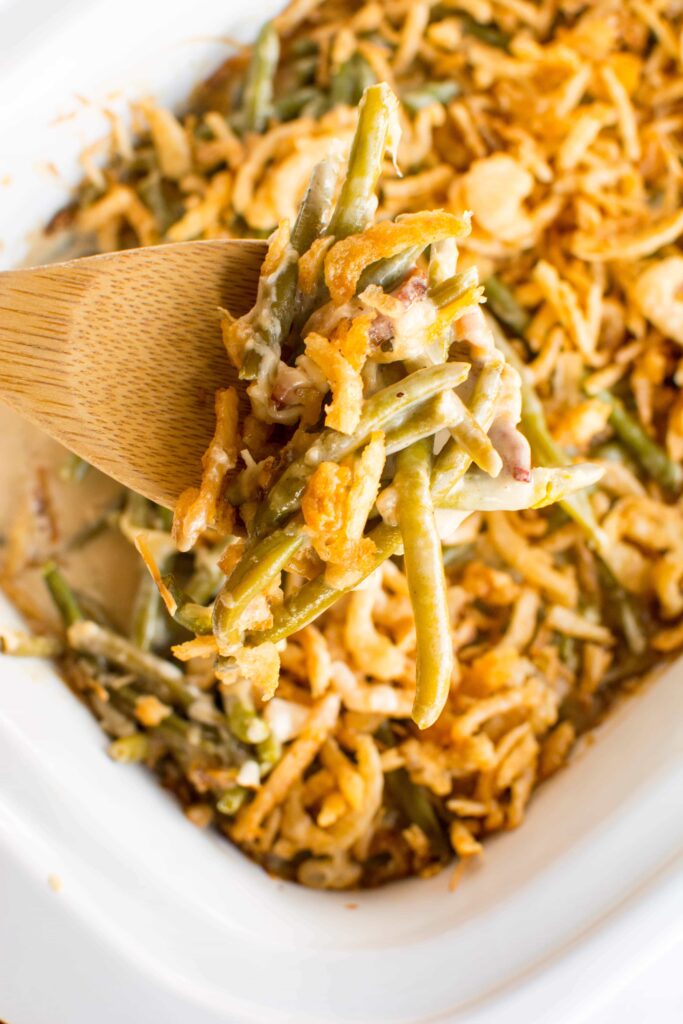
[
  {"x": 305, "y": 68},
  {"x": 376, "y": 132},
  {"x": 387, "y": 274},
  {"x": 231, "y": 801},
  {"x": 293, "y": 103},
  {"x": 268, "y": 752},
  {"x": 304, "y": 47},
  {"x": 351, "y": 80},
  {"x": 413, "y": 801},
  {"x": 486, "y": 33},
  {"x": 258, "y": 89},
  {"x": 62, "y": 595},
  {"x": 620, "y": 608},
  {"x": 276, "y": 300},
  {"x": 244, "y": 723},
  {"x": 185, "y": 736},
  {"x": 505, "y": 307},
  {"x": 29, "y": 645},
  {"x": 253, "y": 575},
  {"x": 452, "y": 462},
  {"x": 433, "y": 415},
  {"x": 478, "y": 492},
  {"x": 415, "y": 100},
  {"x": 208, "y": 577},
  {"x": 443, "y": 263},
  {"x": 166, "y": 679},
  {"x": 194, "y": 617},
  {"x": 649, "y": 455},
  {"x": 380, "y": 411},
  {"x": 146, "y": 613},
  {"x": 457, "y": 555},
  {"x": 547, "y": 452},
  {"x": 316, "y": 596},
  {"x": 426, "y": 583},
  {"x": 151, "y": 191},
  {"x": 130, "y": 749},
  {"x": 453, "y": 288}
]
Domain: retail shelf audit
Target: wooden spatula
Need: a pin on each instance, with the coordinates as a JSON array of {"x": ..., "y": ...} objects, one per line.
[{"x": 118, "y": 356}]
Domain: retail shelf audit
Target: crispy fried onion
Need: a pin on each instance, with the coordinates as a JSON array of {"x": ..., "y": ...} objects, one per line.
[{"x": 347, "y": 259}]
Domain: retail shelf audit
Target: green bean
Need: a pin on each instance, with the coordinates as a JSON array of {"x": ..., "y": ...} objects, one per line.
[
  {"x": 505, "y": 307},
  {"x": 374, "y": 135},
  {"x": 304, "y": 69},
  {"x": 387, "y": 274},
  {"x": 275, "y": 303},
  {"x": 130, "y": 749},
  {"x": 62, "y": 595},
  {"x": 292, "y": 104},
  {"x": 29, "y": 645},
  {"x": 268, "y": 752},
  {"x": 415, "y": 100},
  {"x": 252, "y": 575},
  {"x": 629, "y": 621},
  {"x": 453, "y": 288},
  {"x": 452, "y": 462},
  {"x": 433, "y": 415},
  {"x": 390, "y": 272},
  {"x": 619, "y": 606},
  {"x": 316, "y": 206},
  {"x": 316, "y": 596},
  {"x": 351, "y": 80},
  {"x": 258, "y": 89},
  {"x": 473, "y": 440},
  {"x": 443, "y": 263},
  {"x": 568, "y": 650},
  {"x": 477, "y": 492},
  {"x": 457, "y": 555},
  {"x": 146, "y": 613},
  {"x": 413, "y": 801},
  {"x": 376, "y": 131},
  {"x": 489, "y": 34},
  {"x": 304, "y": 47},
  {"x": 74, "y": 469},
  {"x": 614, "y": 451},
  {"x": 650, "y": 456},
  {"x": 379, "y": 411},
  {"x": 231, "y": 801},
  {"x": 426, "y": 583},
  {"x": 151, "y": 191},
  {"x": 343, "y": 85},
  {"x": 208, "y": 577},
  {"x": 166, "y": 679},
  {"x": 194, "y": 617},
  {"x": 185, "y": 736},
  {"x": 548, "y": 453},
  {"x": 244, "y": 723},
  {"x": 632, "y": 667}
]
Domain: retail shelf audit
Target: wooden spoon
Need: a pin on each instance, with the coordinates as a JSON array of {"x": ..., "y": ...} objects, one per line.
[{"x": 118, "y": 356}]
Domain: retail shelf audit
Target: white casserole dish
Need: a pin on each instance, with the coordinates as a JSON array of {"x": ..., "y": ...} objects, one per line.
[{"x": 156, "y": 921}]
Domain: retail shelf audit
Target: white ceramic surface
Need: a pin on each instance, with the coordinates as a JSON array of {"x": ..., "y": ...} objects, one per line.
[{"x": 157, "y": 922}]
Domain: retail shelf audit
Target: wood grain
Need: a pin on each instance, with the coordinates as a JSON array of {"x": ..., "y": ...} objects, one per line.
[{"x": 118, "y": 356}]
